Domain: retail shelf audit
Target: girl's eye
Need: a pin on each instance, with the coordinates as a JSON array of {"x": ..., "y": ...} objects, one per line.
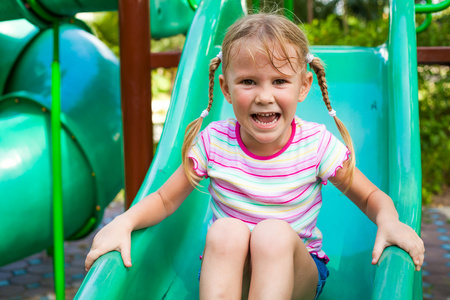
[
  {"x": 248, "y": 82},
  {"x": 279, "y": 81}
]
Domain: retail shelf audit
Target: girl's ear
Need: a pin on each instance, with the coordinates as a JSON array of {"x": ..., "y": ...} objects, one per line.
[
  {"x": 305, "y": 86},
  {"x": 225, "y": 88}
]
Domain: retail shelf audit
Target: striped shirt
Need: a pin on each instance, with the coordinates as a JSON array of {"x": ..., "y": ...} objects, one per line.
[{"x": 285, "y": 186}]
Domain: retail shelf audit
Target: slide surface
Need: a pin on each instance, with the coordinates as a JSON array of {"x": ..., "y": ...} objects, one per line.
[{"x": 373, "y": 90}]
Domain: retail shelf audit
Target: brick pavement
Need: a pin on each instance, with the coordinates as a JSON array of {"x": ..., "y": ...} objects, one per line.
[
  {"x": 32, "y": 277},
  {"x": 436, "y": 271}
]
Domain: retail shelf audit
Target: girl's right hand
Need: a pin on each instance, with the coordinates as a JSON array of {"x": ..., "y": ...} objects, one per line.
[{"x": 116, "y": 236}]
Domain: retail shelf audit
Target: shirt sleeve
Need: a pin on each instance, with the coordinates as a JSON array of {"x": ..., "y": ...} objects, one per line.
[
  {"x": 199, "y": 153},
  {"x": 332, "y": 153}
]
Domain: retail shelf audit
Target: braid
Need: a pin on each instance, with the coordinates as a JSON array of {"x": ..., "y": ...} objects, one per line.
[
  {"x": 317, "y": 66},
  {"x": 193, "y": 128},
  {"x": 213, "y": 66}
]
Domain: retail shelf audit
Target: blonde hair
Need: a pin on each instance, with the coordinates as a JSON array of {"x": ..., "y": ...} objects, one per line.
[{"x": 264, "y": 31}]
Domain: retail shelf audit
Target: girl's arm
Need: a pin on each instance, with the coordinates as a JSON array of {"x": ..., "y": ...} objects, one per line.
[
  {"x": 150, "y": 211},
  {"x": 381, "y": 210}
]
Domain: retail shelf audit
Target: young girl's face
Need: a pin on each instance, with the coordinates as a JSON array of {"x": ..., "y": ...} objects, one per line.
[{"x": 264, "y": 99}]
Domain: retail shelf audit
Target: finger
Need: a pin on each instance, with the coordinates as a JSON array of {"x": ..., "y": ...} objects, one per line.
[
  {"x": 378, "y": 249},
  {"x": 126, "y": 256},
  {"x": 90, "y": 259},
  {"x": 417, "y": 254}
]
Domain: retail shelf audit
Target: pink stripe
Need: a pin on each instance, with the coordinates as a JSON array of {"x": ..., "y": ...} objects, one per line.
[
  {"x": 258, "y": 197},
  {"x": 306, "y": 137},
  {"x": 324, "y": 182},
  {"x": 238, "y": 214},
  {"x": 230, "y": 159},
  {"x": 304, "y": 212},
  {"x": 320, "y": 154},
  {"x": 264, "y": 176},
  {"x": 246, "y": 151},
  {"x": 204, "y": 147},
  {"x": 224, "y": 133}
]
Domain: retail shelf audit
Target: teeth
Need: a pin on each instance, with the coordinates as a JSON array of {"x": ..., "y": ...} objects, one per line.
[
  {"x": 266, "y": 115},
  {"x": 258, "y": 121}
]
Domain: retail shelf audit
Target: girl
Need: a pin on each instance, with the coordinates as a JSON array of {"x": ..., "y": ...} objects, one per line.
[{"x": 266, "y": 167}]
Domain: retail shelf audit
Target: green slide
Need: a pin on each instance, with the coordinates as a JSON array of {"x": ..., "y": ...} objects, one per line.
[{"x": 373, "y": 90}]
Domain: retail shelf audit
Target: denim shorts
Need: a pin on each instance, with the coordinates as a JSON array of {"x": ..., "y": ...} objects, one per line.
[
  {"x": 321, "y": 268},
  {"x": 323, "y": 274}
]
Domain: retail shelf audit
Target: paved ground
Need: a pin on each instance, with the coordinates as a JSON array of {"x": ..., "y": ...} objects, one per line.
[{"x": 32, "y": 278}]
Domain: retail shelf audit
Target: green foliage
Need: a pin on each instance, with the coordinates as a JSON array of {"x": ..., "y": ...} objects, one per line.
[
  {"x": 434, "y": 85},
  {"x": 105, "y": 26},
  {"x": 330, "y": 31},
  {"x": 434, "y": 107}
]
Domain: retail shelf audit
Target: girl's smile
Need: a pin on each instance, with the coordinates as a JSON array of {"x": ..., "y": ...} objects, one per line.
[{"x": 264, "y": 96}]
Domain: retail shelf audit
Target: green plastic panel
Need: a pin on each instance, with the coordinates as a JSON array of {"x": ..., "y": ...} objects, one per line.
[
  {"x": 90, "y": 90},
  {"x": 92, "y": 162},
  {"x": 167, "y": 17},
  {"x": 14, "y": 37},
  {"x": 373, "y": 90},
  {"x": 26, "y": 180}
]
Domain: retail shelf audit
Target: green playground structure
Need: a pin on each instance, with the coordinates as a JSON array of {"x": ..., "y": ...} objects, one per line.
[
  {"x": 374, "y": 91},
  {"x": 46, "y": 54},
  {"x": 90, "y": 138}
]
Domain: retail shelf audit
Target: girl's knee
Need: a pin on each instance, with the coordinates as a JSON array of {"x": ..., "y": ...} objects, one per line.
[
  {"x": 228, "y": 236},
  {"x": 273, "y": 237}
]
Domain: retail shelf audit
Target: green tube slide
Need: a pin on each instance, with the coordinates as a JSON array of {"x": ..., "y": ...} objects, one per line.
[
  {"x": 90, "y": 140},
  {"x": 374, "y": 91}
]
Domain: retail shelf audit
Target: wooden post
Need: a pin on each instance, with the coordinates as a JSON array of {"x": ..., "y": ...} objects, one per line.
[{"x": 134, "y": 23}]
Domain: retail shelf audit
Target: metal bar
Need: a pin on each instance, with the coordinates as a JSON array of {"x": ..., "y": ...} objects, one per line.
[
  {"x": 431, "y": 8},
  {"x": 256, "y": 5},
  {"x": 169, "y": 59},
  {"x": 433, "y": 55},
  {"x": 289, "y": 9},
  {"x": 193, "y": 4},
  {"x": 426, "y": 22},
  {"x": 58, "y": 217},
  {"x": 134, "y": 29},
  {"x": 42, "y": 12}
]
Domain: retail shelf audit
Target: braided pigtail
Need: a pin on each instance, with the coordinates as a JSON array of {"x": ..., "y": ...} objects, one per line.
[
  {"x": 193, "y": 128},
  {"x": 318, "y": 68}
]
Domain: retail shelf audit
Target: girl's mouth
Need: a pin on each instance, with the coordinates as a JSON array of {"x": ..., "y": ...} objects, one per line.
[{"x": 266, "y": 119}]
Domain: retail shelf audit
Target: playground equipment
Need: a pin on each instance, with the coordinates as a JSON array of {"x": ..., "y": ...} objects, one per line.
[
  {"x": 374, "y": 91},
  {"x": 70, "y": 151},
  {"x": 91, "y": 159}
]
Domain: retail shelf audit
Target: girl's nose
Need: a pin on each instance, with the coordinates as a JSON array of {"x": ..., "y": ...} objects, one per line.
[{"x": 264, "y": 97}]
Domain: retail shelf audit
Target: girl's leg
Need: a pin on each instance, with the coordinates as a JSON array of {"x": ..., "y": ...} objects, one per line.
[
  {"x": 282, "y": 267},
  {"x": 226, "y": 251}
]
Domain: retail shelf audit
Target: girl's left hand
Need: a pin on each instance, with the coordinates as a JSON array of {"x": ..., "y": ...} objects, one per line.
[{"x": 399, "y": 234}]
